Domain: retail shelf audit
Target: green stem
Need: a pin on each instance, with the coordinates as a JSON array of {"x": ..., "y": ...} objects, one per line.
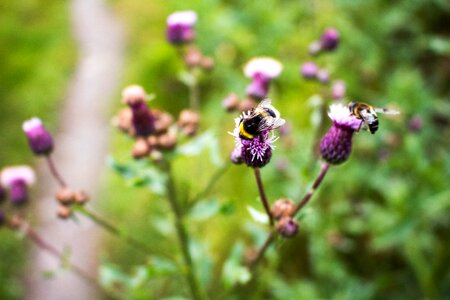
[
  {"x": 213, "y": 180},
  {"x": 194, "y": 98},
  {"x": 262, "y": 194},
  {"x": 182, "y": 236},
  {"x": 113, "y": 229},
  {"x": 300, "y": 205}
]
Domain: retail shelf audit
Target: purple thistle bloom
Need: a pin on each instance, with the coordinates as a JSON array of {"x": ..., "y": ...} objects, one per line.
[
  {"x": 17, "y": 179},
  {"x": 309, "y": 70},
  {"x": 255, "y": 152},
  {"x": 329, "y": 39},
  {"x": 39, "y": 139},
  {"x": 261, "y": 70},
  {"x": 336, "y": 145},
  {"x": 180, "y": 27},
  {"x": 142, "y": 119}
]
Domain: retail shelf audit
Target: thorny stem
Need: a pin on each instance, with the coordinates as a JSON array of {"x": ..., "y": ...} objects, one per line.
[
  {"x": 263, "y": 194},
  {"x": 113, "y": 229},
  {"x": 300, "y": 205},
  {"x": 33, "y": 236},
  {"x": 54, "y": 171},
  {"x": 182, "y": 236}
]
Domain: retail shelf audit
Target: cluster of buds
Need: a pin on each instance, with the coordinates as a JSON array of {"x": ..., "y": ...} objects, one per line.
[
  {"x": 153, "y": 130},
  {"x": 15, "y": 181},
  {"x": 310, "y": 71},
  {"x": 194, "y": 58},
  {"x": 232, "y": 103},
  {"x": 66, "y": 198},
  {"x": 282, "y": 211}
]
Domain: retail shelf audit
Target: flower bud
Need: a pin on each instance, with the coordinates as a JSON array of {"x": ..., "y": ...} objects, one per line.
[
  {"x": 140, "y": 149},
  {"x": 189, "y": 121},
  {"x": 65, "y": 196},
  {"x": 142, "y": 119},
  {"x": 163, "y": 120},
  {"x": 133, "y": 94},
  {"x": 39, "y": 139},
  {"x": 207, "y": 63},
  {"x": 309, "y": 70},
  {"x": 64, "y": 212},
  {"x": 193, "y": 57},
  {"x": 338, "y": 90},
  {"x": 167, "y": 141},
  {"x": 415, "y": 124},
  {"x": 123, "y": 120},
  {"x": 282, "y": 208},
  {"x": 287, "y": 227},
  {"x": 180, "y": 27},
  {"x": 247, "y": 104},
  {"x": 81, "y": 197},
  {"x": 231, "y": 102}
]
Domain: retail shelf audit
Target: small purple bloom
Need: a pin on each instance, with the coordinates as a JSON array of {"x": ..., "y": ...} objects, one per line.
[
  {"x": 336, "y": 145},
  {"x": 261, "y": 70},
  {"x": 309, "y": 70},
  {"x": 323, "y": 76},
  {"x": 180, "y": 27},
  {"x": 338, "y": 90},
  {"x": 39, "y": 139},
  {"x": 415, "y": 124},
  {"x": 17, "y": 179},
  {"x": 329, "y": 39},
  {"x": 287, "y": 227}
]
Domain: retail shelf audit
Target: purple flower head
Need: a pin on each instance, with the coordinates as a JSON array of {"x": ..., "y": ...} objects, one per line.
[
  {"x": 323, "y": 76},
  {"x": 329, "y": 39},
  {"x": 338, "y": 90},
  {"x": 309, "y": 70},
  {"x": 142, "y": 120},
  {"x": 39, "y": 139},
  {"x": 257, "y": 150},
  {"x": 336, "y": 145},
  {"x": 17, "y": 179},
  {"x": 261, "y": 70},
  {"x": 180, "y": 27}
]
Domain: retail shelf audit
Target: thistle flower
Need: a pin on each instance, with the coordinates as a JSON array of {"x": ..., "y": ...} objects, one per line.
[
  {"x": 309, "y": 70},
  {"x": 180, "y": 27},
  {"x": 142, "y": 120},
  {"x": 39, "y": 139},
  {"x": 287, "y": 227},
  {"x": 336, "y": 145},
  {"x": 261, "y": 70},
  {"x": 255, "y": 152},
  {"x": 17, "y": 179},
  {"x": 329, "y": 39}
]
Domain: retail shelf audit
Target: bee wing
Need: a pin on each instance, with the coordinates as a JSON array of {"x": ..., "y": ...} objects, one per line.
[
  {"x": 271, "y": 124},
  {"x": 387, "y": 111},
  {"x": 265, "y": 102},
  {"x": 278, "y": 123}
]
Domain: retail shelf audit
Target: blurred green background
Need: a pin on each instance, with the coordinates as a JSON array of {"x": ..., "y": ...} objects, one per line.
[{"x": 379, "y": 225}]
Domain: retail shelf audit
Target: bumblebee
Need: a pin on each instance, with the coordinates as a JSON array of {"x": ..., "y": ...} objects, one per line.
[
  {"x": 368, "y": 114},
  {"x": 262, "y": 117}
]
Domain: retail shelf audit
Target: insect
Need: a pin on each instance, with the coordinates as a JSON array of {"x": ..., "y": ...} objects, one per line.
[
  {"x": 262, "y": 117},
  {"x": 368, "y": 114}
]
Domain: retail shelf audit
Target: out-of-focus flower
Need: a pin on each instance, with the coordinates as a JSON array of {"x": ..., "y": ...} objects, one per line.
[
  {"x": 338, "y": 90},
  {"x": 261, "y": 70},
  {"x": 133, "y": 94},
  {"x": 17, "y": 179},
  {"x": 287, "y": 227},
  {"x": 142, "y": 120},
  {"x": 65, "y": 196},
  {"x": 308, "y": 70},
  {"x": 231, "y": 102},
  {"x": 329, "y": 39},
  {"x": 39, "y": 139},
  {"x": 180, "y": 27},
  {"x": 336, "y": 145},
  {"x": 415, "y": 124},
  {"x": 323, "y": 76},
  {"x": 189, "y": 121}
]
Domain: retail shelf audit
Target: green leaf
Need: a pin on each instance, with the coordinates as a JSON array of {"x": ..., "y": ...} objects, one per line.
[
  {"x": 206, "y": 141},
  {"x": 204, "y": 210}
]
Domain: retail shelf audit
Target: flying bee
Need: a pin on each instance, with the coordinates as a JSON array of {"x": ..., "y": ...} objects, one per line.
[
  {"x": 368, "y": 114},
  {"x": 263, "y": 117}
]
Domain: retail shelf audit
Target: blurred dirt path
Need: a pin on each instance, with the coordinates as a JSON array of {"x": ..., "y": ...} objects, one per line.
[{"x": 80, "y": 151}]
